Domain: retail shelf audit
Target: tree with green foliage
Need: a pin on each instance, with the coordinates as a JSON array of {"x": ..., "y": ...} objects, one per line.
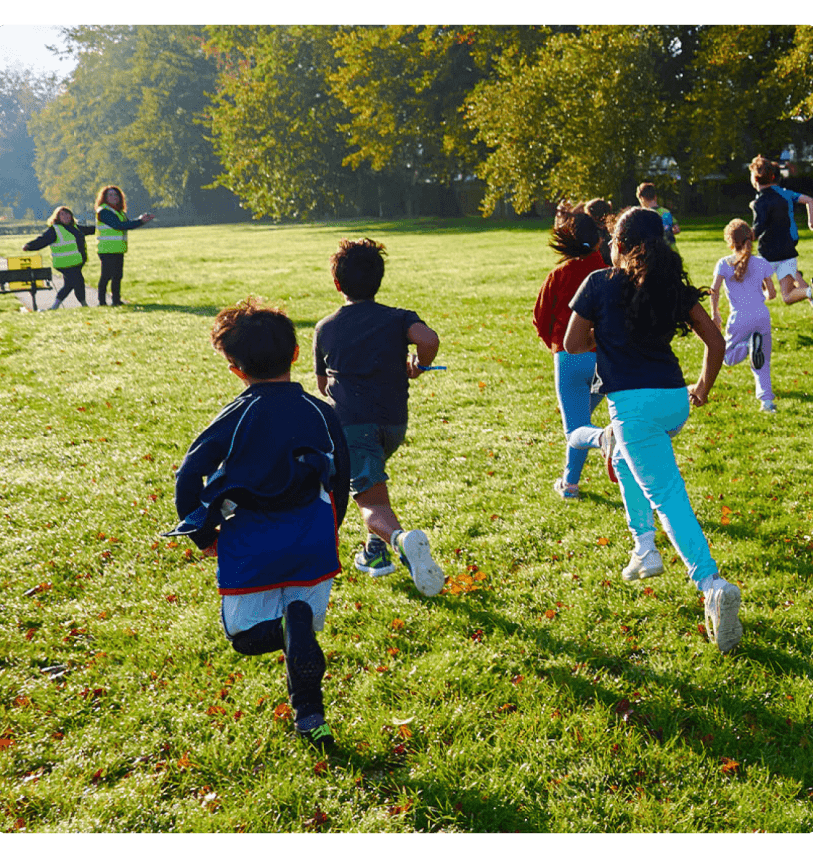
[
  {"x": 130, "y": 114},
  {"x": 576, "y": 120},
  {"x": 275, "y": 122},
  {"x": 22, "y": 94}
]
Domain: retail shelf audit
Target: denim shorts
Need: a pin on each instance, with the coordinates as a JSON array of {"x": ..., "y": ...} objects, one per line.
[
  {"x": 370, "y": 446},
  {"x": 784, "y": 268}
]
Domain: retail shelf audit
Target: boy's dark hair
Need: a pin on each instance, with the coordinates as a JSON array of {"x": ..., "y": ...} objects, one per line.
[
  {"x": 645, "y": 191},
  {"x": 358, "y": 267},
  {"x": 657, "y": 293},
  {"x": 259, "y": 340},
  {"x": 575, "y": 236},
  {"x": 599, "y": 210},
  {"x": 762, "y": 170}
]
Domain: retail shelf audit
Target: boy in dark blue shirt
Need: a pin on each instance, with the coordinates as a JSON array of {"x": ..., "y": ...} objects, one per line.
[
  {"x": 276, "y": 474},
  {"x": 363, "y": 364}
]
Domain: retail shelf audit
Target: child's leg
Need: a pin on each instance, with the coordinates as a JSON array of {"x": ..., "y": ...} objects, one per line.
[
  {"x": 791, "y": 292},
  {"x": 643, "y": 421},
  {"x": 305, "y": 666},
  {"x": 763, "y": 388},
  {"x": 377, "y": 512},
  {"x": 573, "y": 377}
]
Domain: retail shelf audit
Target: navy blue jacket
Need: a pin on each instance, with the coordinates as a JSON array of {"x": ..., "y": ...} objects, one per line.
[
  {"x": 772, "y": 226},
  {"x": 273, "y": 448}
]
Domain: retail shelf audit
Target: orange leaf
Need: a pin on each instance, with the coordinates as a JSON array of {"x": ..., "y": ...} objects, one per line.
[{"x": 603, "y": 541}]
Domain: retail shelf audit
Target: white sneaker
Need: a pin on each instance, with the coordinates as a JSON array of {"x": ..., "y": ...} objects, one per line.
[
  {"x": 723, "y": 624},
  {"x": 413, "y": 546},
  {"x": 644, "y": 566},
  {"x": 607, "y": 449}
]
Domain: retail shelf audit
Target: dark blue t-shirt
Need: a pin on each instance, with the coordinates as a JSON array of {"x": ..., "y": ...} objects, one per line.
[
  {"x": 362, "y": 349},
  {"x": 622, "y": 362}
]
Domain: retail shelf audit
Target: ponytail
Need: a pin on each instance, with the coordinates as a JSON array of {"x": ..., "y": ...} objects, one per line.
[
  {"x": 575, "y": 236},
  {"x": 739, "y": 237}
]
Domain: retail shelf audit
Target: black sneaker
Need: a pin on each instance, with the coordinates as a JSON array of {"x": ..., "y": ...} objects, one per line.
[
  {"x": 320, "y": 737},
  {"x": 755, "y": 350}
]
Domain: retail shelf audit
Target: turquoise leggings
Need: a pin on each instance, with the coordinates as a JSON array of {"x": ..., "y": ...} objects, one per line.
[
  {"x": 644, "y": 423},
  {"x": 574, "y": 378}
]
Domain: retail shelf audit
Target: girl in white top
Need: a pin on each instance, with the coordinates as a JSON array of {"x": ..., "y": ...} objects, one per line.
[{"x": 748, "y": 281}]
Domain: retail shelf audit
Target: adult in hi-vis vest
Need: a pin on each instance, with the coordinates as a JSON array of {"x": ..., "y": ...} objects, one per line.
[
  {"x": 112, "y": 226},
  {"x": 68, "y": 252}
]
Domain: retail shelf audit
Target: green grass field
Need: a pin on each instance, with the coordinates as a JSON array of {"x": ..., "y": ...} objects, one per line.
[{"x": 538, "y": 693}]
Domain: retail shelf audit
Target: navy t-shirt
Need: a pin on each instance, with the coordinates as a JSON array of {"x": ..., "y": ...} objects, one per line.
[
  {"x": 362, "y": 349},
  {"x": 622, "y": 362}
]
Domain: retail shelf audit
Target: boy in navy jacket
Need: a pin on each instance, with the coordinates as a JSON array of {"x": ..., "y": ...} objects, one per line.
[{"x": 264, "y": 489}]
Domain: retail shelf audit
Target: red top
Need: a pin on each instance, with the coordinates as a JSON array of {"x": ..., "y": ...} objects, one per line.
[{"x": 552, "y": 310}]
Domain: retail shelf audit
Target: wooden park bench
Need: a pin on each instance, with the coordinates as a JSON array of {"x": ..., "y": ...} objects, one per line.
[{"x": 24, "y": 274}]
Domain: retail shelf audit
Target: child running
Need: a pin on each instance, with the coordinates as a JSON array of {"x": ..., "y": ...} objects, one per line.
[
  {"x": 630, "y": 314},
  {"x": 576, "y": 239},
  {"x": 748, "y": 279},
  {"x": 772, "y": 226},
  {"x": 68, "y": 252},
  {"x": 276, "y": 474},
  {"x": 363, "y": 365}
]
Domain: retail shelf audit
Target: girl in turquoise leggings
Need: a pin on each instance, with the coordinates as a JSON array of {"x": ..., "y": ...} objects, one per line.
[{"x": 630, "y": 313}]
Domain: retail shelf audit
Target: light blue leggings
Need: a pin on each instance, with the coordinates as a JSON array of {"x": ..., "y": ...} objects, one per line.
[
  {"x": 574, "y": 377},
  {"x": 644, "y": 423}
]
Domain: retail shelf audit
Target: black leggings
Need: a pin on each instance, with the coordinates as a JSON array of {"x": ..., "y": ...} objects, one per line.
[
  {"x": 112, "y": 272},
  {"x": 74, "y": 282}
]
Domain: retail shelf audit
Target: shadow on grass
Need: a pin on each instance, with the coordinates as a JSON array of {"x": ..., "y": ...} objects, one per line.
[{"x": 199, "y": 310}]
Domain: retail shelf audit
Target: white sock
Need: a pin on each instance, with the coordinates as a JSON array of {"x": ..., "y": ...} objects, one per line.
[
  {"x": 393, "y": 543},
  {"x": 644, "y": 543},
  {"x": 706, "y": 583}
]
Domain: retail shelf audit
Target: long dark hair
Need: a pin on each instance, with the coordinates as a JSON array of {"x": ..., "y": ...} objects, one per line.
[
  {"x": 575, "y": 236},
  {"x": 657, "y": 294}
]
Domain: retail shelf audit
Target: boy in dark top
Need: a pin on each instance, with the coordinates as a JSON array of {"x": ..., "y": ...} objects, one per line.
[
  {"x": 276, "y": 474},
  {"x": 363, "y": 365},
  {"x": 772, "y": 227}
]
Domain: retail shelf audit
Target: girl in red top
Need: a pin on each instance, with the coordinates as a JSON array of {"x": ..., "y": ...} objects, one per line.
[{"x": 576, "y": 238}]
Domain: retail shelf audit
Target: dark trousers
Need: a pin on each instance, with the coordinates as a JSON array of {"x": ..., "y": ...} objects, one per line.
[
  {"x": 304, "y": 659},
  {"x": 112, "y": 272},
  {"x": 74, "y": 282}
]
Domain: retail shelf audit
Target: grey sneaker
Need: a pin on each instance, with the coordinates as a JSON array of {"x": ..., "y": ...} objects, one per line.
[
  {"x": 376, "y": 561},
  {"x": 643, "y": 566},
  {"x": 565, "y": 490},
  {"x": 723, "y": 624},
  {"x": 768, "y": 406},
  {"x": 413, "y": 546}
]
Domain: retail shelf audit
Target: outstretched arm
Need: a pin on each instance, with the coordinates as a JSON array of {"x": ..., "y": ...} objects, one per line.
[
  {"x": 713, "y": 354},
  {"x": 579, "y": 336}
]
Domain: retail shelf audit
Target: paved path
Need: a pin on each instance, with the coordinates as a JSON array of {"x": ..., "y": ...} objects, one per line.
[{"x": 45, "y": 297}]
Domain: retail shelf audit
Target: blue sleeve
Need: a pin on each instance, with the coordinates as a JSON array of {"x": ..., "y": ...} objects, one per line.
[{"x": 109, "y": 219}]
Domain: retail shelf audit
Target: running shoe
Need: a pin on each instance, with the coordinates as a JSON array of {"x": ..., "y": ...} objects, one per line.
[
  {"x": 723, "y": 624},
  {"x": 413, "y": 546},
  {"x": 768, "y": 406},
  {"x": 375, "y": 561},
  {"x": 607, "y": 449},
  {"x": 566, "y": 491},
  {"x": 643, "y": 566},
  {"x": 755, "y": 350},
  {"x": 318, "y": 736}
]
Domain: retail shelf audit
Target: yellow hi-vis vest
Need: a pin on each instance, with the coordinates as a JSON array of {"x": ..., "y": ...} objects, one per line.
[
  {"x": 109, "y": 240},
  {"x": 65, "y": 251}
]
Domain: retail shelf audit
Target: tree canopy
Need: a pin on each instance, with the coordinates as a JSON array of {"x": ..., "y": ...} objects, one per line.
[{"x": 307, "y": 121}]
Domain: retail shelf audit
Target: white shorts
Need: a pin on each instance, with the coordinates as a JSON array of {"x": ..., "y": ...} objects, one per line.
[
  {"x": 240, "y": 613},
  {"x": 784, "y": 268}
]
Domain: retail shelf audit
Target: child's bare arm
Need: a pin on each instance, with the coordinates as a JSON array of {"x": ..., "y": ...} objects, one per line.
[
  {"x": 715, "y": 301},
  {"x": 426, "y": 343},
  {"x": 321, "y": 383},
  {"x": 807, "y": 201},
  {"x": 713, "y": 354},
  {"x": 579, "y": 336}
]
